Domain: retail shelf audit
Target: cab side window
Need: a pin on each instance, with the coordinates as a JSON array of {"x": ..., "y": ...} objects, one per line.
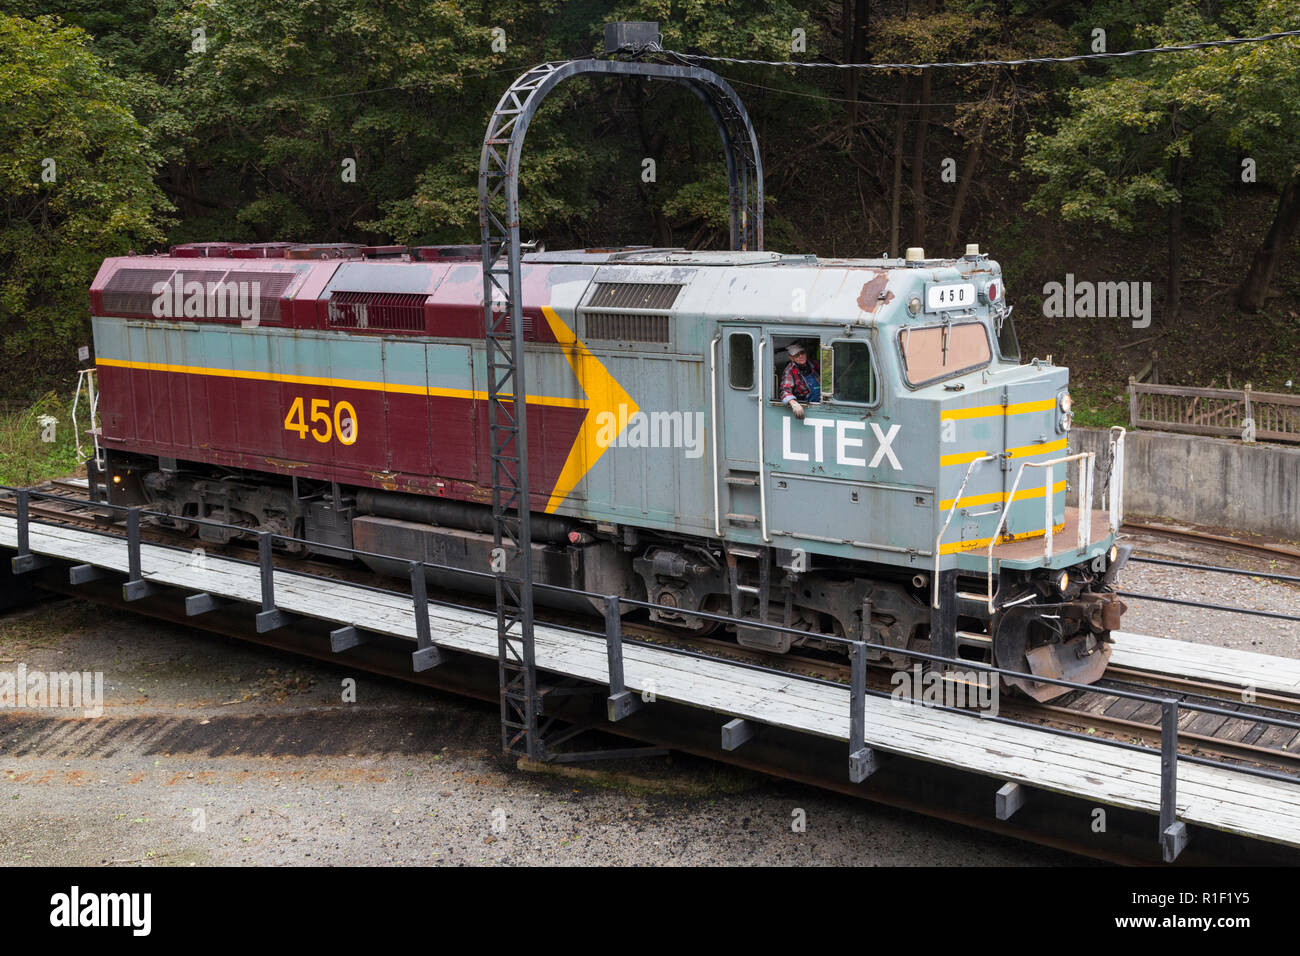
[
  {"x": 740, "y": 360},
  {"x": 854, "y": 374}
]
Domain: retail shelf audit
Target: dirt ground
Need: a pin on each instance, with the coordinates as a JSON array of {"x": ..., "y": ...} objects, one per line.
[{"x": 212, "y": 751}]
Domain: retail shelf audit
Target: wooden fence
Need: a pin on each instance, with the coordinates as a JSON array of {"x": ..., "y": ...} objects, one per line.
[{"x": 1214, "y": 411}]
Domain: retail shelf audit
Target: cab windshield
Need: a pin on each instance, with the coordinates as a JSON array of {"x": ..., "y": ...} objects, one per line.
[{"x": 941, "y": 351}]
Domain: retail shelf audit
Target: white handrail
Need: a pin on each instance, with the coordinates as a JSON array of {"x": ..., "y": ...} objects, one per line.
[
  {"x": 951, "y": 511},
  {"x": 713, "y": 431},
  {"x": 1085, "y": 511},
  {"x": 86, "y": 376},
  {"x": 762, "y": 403},
  {"x": 1116, "y": 478}
]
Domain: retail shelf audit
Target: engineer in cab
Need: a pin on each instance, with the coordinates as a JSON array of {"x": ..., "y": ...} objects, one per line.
[{"x": 801, "y": 380}]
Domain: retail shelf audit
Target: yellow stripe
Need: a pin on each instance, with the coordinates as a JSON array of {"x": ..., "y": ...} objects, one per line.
[
  {"x": 996, "y": 497},
  {"x": 1020, "y": 451},
  {"x": 478, "y": 396},
  {"x": 984, "y": 411},
  {"x": 959, "y": 546},
  {"x": 961, "y": 458}
]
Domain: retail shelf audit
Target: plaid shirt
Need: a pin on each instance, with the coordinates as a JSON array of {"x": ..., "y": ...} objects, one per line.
[{"x": 793, "y": 386}]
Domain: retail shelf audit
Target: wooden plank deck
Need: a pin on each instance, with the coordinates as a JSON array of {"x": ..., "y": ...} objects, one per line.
[
  {"x": 1234, "y": 668},
  {"x": 1208, "y": 796}
]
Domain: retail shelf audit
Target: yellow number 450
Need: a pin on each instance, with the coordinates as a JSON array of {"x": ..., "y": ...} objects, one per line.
[{"x": 342, "y": 424}]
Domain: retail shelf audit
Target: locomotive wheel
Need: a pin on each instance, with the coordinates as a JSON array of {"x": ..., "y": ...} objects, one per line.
[{"x": 1023, "y": 641}]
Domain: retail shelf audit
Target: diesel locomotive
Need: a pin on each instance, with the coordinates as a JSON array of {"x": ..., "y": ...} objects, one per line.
[{"x": 905, "y": 482}]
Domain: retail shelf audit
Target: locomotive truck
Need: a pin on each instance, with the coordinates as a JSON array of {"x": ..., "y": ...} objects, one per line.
[{"x": 916, "y": 497}]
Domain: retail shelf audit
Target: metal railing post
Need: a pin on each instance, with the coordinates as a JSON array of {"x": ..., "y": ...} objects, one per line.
[
  {"x": 136, "y": 586},
  {"x": 133, "y": 546},
  {"x": 24, "y": 560},
  {"x": 270, "y": 617},
  {"x": 621, "y": 701},
  {"x": 1173, "y": 834},
  {"x": 24, "y": 532},
  {"x": 426, "y": 654},
  {"x": 862, "y": 759}
]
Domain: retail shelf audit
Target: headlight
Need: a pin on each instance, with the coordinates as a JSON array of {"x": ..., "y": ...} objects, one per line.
[
  {"x": 1066, "y": 403},
  {"x": 1112, "y": 554},
  {"x": 1063, "y": 581}
]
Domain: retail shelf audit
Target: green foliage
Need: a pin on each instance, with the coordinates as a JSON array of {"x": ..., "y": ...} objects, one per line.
[
  {"x": 76, "y": 182},
  {"x": 39, "y": 442},
  {"x": 1113, "y": 157}
]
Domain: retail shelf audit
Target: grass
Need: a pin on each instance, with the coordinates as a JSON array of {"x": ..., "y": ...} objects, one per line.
[
  {"x": 1099, "y": 407},
  {"x": 39, "y": 442}
]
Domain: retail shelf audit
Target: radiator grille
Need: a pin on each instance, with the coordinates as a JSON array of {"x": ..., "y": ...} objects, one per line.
[
  {"x": 390, "y": 311},
  {"x": 270, "y": 286},
  {"x": 615, "y": 296},
  {"x": 618, "y": 327},
  {"x": 129, "y": 293},
  {"x": 607, "y": 320}
]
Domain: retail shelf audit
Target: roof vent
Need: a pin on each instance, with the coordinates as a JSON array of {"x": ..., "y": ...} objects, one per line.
[
  {"x": 324, "y": 250},
  {"x": 201, "y": 250},
  {"x": 444, "y": 253}
]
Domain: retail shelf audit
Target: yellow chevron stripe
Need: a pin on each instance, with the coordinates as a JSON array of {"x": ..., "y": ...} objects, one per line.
[
  {"x": 604, "y": 395},
  {"x": 475, "y": 395}
]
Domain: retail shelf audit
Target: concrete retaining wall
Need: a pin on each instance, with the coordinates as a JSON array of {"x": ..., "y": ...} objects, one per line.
[{"x": 1213, "y": 482}]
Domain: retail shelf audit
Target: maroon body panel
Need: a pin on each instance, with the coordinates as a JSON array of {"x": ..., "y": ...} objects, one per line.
[{"x": 236, "y": 417}]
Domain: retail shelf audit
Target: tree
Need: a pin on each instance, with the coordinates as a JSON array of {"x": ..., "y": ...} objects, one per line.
[
  {"x": 1170, "y": 134},
  {"x": 76, "y": 183}
]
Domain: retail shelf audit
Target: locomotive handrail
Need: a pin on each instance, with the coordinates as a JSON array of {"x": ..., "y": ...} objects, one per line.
[
  {"x": 713, "y": 432},
  {"x": 1115, "y": 478},
  {"x": 762, "y": 465},
  {"x": 1085, "y": 508},
  {"x": 951, "y": 511}
]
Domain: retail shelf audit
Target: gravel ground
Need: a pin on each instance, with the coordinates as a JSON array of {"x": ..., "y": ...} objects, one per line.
[
  {"x": 1203, "y": 626},
  {"x": 285, "y": 773},
  {"x": 212, "y": 751}
]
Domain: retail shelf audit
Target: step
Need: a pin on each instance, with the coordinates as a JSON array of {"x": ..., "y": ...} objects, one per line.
[{"x": 974, "y": 639}]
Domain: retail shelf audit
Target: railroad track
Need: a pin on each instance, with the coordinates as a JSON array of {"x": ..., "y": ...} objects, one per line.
[
  {"x": 1238, "y": 740},
  {"x": 1269, "y": 550}
]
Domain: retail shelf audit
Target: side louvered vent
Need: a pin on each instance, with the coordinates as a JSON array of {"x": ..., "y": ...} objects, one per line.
[
  {"x": 389, "y": 311},
  {"x": 130, "y": 292},
  {"x": 267, "y": 287},
  {"x": 631, "y": 311},
  {"x": 227, "y": 296}
]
